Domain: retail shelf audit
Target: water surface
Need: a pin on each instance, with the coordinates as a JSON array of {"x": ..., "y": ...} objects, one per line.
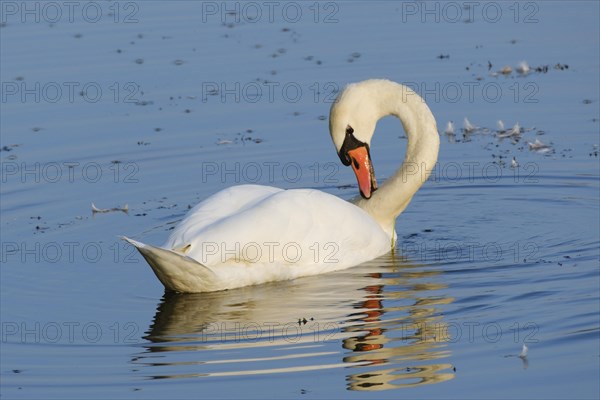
[{"x": 172, "y": 103}]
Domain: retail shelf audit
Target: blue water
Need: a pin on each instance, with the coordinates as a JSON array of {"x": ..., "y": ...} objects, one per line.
[{"x": 159, "y": 106}]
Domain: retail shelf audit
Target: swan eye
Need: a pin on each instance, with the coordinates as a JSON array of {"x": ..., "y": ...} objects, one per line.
[{"x": 350, "y": 143}]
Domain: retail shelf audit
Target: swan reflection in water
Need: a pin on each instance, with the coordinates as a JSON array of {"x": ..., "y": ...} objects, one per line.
[
  {"x": 419, "y": 336},
  {"x": 379, "y": 321}
]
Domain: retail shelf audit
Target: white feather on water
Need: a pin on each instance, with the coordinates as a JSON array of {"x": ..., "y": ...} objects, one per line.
[
  {"x": 449, "y": 128},
  {"x": 95, "y": 209},
  {"x": 539, "y": 146},
  {"x": 524, "y": 351},
  {"x": 500, "y": 125},
  {"x": 468, "y": 127},
  {"x": 523, "y": 68}
]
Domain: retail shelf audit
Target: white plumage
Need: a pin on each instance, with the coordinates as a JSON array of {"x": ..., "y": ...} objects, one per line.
[{"x": 250, "y": 234}]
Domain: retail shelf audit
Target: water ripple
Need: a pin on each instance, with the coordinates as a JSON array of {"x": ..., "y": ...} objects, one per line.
[{"x": 385, "y": 318}]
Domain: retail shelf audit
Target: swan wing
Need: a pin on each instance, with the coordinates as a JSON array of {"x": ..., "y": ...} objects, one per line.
[
  {"x": 249, "y": 235},
  {"x": 217, "y": 207},
  {"x": 270, "y": 234}
]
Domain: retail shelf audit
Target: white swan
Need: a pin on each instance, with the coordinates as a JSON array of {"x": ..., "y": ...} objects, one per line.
[{"x": 250, "y": 234}]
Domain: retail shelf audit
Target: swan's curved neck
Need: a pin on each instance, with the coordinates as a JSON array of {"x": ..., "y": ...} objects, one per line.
[{"x": 421, "y": 153}]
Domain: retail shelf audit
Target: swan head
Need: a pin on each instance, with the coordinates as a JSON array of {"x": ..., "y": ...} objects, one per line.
[{"x": 352, "y": 122}]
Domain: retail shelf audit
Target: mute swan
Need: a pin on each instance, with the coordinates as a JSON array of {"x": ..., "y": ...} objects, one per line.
[{"x": 250, "y": 234}]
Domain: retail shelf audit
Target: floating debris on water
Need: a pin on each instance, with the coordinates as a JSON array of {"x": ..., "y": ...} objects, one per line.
[
  {"x": 241, "y": 138},
  {"x": 515, "y": 132},
  {"x": 468, "y": 127},
  {"x": 523, "y": 68},
  {"x": 539, "y": 147},
  {"x": 95, "y": 209},
  {"x": 9, "y": 147},
  {"x": 449, "y": 128},
  {"x": 506, "y": 70},
  {"x": 524, "y": 351},
  {"x": 500, "y": 126},
  {"x": 143, "y": 103},
  {"x": 561, "y": 66}
]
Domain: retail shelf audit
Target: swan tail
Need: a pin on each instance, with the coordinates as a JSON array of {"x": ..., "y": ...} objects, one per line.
[{"x": 177, "y": 272}]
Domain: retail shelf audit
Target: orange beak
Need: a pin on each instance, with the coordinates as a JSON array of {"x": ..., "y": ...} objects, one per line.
[{"x": 363, "y": 169}]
